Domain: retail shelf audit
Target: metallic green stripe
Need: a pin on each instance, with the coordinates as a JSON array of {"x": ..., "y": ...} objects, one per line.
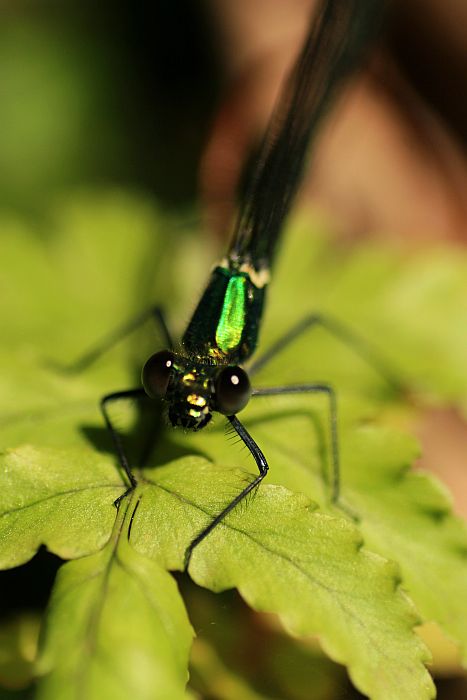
[{"x": 232, "y": 319}]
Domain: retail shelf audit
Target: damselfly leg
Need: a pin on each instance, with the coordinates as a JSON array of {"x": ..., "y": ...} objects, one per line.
[
  {"x": 328, "y": 391},
  {"x": 263, "y": 467},
  {"x": 365, "y": 350},
  {"x": 342, "y": 332},
  {"x": 155, "y": 313},
  {"x": 129, "y": 394}
]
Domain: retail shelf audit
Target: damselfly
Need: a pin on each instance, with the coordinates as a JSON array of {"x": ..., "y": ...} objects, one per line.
[{"x": 203, "y": 373}]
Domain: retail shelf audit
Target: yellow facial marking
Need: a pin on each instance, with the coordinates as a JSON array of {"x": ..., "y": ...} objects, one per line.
[{"x": 196, "y": 400}]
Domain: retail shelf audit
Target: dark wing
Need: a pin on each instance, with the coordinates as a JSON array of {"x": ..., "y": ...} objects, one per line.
[{"x": 335, "y": 45}]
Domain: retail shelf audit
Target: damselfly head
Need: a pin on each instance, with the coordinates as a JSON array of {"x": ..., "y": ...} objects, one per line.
[{"x": 193, "y": 390}]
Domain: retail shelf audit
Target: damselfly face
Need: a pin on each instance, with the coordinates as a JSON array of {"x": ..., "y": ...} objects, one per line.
[{"x": 193, "y": 390}]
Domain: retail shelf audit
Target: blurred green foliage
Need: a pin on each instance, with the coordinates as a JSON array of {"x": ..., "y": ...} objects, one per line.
[{"x": 112, "y": 93}]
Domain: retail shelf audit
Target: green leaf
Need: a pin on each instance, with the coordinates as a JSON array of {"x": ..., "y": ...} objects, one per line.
[
  {"x": 61, "y": 499},
  {"x": 404, "y": 515},
  {"x": 277, "y": 545},
  {"x": 408, "y": 516},
  {"x": 116, "y": 629}
]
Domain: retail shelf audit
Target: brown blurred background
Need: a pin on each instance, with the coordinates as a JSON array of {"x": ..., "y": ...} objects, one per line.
[{"x": 391, "y": 160}]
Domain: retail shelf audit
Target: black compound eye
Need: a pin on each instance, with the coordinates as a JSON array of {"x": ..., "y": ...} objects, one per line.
[
  {"x": 233, "y": 390},
  {"x": 156, "y": 374}
]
